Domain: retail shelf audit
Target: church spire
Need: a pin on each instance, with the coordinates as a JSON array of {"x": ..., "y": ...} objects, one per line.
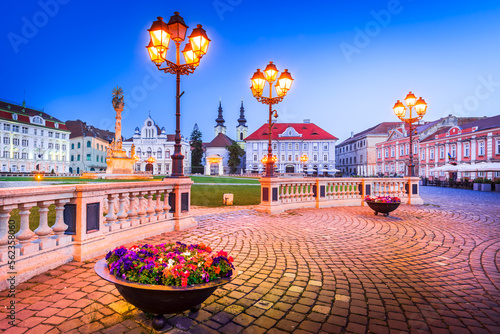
[
  {"x": 220, "y": 119},
  {"x": 242, "y": 120}
]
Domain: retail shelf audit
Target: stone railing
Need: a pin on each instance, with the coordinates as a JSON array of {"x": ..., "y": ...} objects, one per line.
[
  {"x": 281, "y": 194},
  {"x": 90, "y": 220}
]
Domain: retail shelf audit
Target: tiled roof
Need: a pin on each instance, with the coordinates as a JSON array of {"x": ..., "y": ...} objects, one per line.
[
  {"x": 81, "y": 129},
  {"x": 379, "y": 129},
  {"x": 309, "y": 131},
  {"x": 221, "y": 140},
  {"x": 481, "y": 124},
  {"x": 23, "y": 114}
]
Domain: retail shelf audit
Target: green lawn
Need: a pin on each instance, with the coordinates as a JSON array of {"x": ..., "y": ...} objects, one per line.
[
  {"x": 211, "y": 196},
  {"x": 222, "y": 179}
]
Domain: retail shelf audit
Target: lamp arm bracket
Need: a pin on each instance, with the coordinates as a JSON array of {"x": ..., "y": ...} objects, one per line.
[{"x": 173, "y": 68}]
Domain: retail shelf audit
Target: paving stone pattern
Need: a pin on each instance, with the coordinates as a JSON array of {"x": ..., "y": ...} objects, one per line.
[{"x": 424, "y": 269}]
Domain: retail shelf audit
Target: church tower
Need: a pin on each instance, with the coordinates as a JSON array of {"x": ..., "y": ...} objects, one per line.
[
  {"x": 241, "y": 128},
  {"x": 220, "y": 127}
]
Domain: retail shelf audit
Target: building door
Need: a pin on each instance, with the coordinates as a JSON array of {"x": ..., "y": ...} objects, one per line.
[
  {"x": 77, "y": 170},
  {"x": 289, "y": 169},
  {"x": 70, "y": 170},
  {"x": 214, "y": 169},
  {"x": 149, "y": 168}
]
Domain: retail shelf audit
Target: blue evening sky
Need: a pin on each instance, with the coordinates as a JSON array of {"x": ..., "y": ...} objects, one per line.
[{"x": 351, "y": 60}]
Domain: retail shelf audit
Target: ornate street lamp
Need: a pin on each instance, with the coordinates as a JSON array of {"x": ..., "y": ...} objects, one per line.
[
  {"x": 160, "y": 35},
  {"x": 400, "y": 111},
  {"x": 282, "y": 86}
]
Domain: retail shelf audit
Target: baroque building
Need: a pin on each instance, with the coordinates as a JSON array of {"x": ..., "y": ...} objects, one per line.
[
  {"x": 291, "y": 141},
  {"x": 151, "y": 141},
  {"x": 32, "y": 140}
]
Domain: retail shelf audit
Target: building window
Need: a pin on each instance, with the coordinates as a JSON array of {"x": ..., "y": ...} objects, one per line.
[
  {"x": 72, "y": 158},
  {"x": 102, "y": 159},
  {"x": 15, "y": 128},
  {"x": 6, "y": 127},
  {"x": 304, "y": 147},
  {"x": 167, "y": 154},
  {"x": 315, "y": 146},
  {"x": 24, "y": 130},
  {"x": 498, "y": 146},
  {"x": 255, "y": 157},
  {"x": 315, "y": 157},
  {"x": 14, "y": 117},
  {"x": 361, "y": 159},
  {"x": 392, "y": 151},
  {"x": 51, "y": 134},
  {"x": 481, "y": 148},
  {"x": 16, "y": 155},
  {"x": 158, "y": 154},
  {"x": 89, "y": 144},
  {"x": 289, "y": 157},
  {"x": 354, "y": 159},
  {"x": 79, "y": 145},
  {"x": 466, "y": 150},
  {"x": 64, "y": 147},
  {"x": 296, "y": 157},
  {"x": 289, "y": 146},
  {"x": 51, "y": 146},
  {"x": 63, "y": 136},
  {"x": 6, "y": 140},
  {"x": 6, "y": 154},
  {"x": 441, "y": 152},
  {"x": 24, "y": 142},
  {"x": 423, "y": 155},
  {"x": 15, "y": 141},
  {"x": 401, "y": 150},
  {"x": 37, "y": 120},
  {"x": 431, "y": 153},
  {"x": 453, "y": 151},
  {"x": 297, "y": 146},
  {"x": 282, "y": 146},
  {"x": 24, "y": 155},
  {"x": 275, "y": 146},
  {"x": 325, "y": 146},
  {"x": 97, "y": 158},
  {"x": 88, "y": 157},
  {"x": 78, "y": 157},
  {"x": 378, "y": 154},
  {"x": 283, "y": 157},
  {"x": 255, "y": 146},
  {"x": 73, "y": 146},
  {"x": 325, "y": 157},
  {"x": 386, "y": 152},
  {"x": 57, "y": 135},
  {"x": 57, "y": 146},
  {"x": 407, "y": 149}
]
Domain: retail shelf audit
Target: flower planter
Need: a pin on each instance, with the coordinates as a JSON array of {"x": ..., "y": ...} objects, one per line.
[
  {"x": 383, "y": 208},
  {"x": 486, "y": 187},
  {"x": 477, "y": 186},
  {"x": 161, "y": 299}
]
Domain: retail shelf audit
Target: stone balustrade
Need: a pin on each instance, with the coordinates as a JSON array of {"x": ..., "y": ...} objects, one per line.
[
  {"x": 281, "y": 194},
  {"x": 90, "y": 220}
]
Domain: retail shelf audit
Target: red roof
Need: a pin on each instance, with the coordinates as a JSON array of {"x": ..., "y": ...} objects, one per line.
[
  {"x": 221, "y": 140},
  {"x": 23, "y": 113},
  {"x": 309, "y": 131}
]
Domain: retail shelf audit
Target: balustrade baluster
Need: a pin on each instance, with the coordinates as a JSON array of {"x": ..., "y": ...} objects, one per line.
[
  {"x": 43, "y": 231},
  {"x": 25, "y": 234},
  {"x": 132, "y": 208},
  {"x": 166, "y": 206},
  {"x": 111, "y": 217},
  {"x": 150, "y": 209},
  {"x": 60, "y": 227},
  {"x": 159, "y": 204},
  {"x": 122, "y": 212},
  {"x": 141, "y": 207},
  {"x": 4, "y": 226}
]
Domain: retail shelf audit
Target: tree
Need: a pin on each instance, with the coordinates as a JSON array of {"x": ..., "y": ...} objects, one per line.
[
  {"x": 235, "y": 153},
  {"x": 196, "y": 147}
]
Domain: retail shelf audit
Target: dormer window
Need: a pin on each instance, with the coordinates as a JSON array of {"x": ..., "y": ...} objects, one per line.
[
  {"x": 56, "y": 125},
  {"x": 37, "y": 120},
  {"x": 14, "y": 117}
]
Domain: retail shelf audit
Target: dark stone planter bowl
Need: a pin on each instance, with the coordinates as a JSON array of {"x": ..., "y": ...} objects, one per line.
[
  {"x": 384, "y": 208},
  {"x": 160, "y": 299}
]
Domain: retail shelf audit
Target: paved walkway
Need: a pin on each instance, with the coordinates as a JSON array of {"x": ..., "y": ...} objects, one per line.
[{"x": 431, "y": 268}]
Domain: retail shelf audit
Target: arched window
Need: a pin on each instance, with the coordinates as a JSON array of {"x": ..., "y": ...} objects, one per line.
[
  {"x": 167, "y": 154},
  {"x": 89, "y": 144},
  {"x": 241, "y": 135},
  {"x": 79, "y": 145},
  {"x": 138, "y": 152},
  {"x": 158, "y": 154},
  {"x": 149, "y": 152}
]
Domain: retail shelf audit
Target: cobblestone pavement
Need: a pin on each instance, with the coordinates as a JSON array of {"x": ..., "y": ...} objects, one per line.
[{"x": 431, "y": 268}]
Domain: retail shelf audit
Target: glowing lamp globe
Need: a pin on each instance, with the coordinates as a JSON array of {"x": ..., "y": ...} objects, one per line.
[
  {"x": 410, "y": 99},
  {"x": 285, "y": 81},
  {"x": 421, "y": 107},
  {"x": 258, "y": 81},
  {"x": 399, "y": 109},
  {"x": 177, "y": 27},
  {"x": 189, "y": 56},
  {"x": 271, "y": 72},
  {"x": 159, "y": 34},
  {"x": 199, "y": 41},
  {"x": 156, "y": 56}
]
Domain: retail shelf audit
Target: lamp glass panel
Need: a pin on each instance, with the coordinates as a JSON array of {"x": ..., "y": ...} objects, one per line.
[
  {"x": 160, "y": 39},
  {"x": 156, "y": 57},
  {"x": 189, "y": 56}
]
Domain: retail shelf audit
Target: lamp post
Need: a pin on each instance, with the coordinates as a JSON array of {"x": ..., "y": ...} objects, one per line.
[
  {"x": 304, "y": 160},
  {"x": 160, "y": 34},
  {"x": 282, "y": 87},
  {"x": 400, "y": 111}
]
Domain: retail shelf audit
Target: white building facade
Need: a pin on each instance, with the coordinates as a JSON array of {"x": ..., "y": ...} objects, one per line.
[
  {"x": 290, "y": 142},
  {"x": 32, "y": 140},
  {"x": 151, "y": 141}
]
